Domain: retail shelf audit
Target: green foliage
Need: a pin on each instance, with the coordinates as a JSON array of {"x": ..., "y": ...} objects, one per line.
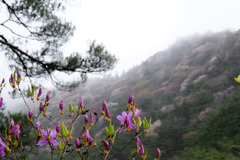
[
  {"x": 223, "y": 123},
  {"x": 191, "y": 88},
  {"x": 199, "y": 153},
  {"x": 178, "y": 76},
  {"x": 170, "y": 138}
]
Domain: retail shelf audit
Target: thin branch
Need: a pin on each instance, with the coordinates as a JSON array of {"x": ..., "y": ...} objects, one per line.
[
  {"x": 16, "y": 33},
  {"x": 11, "y": 10}
]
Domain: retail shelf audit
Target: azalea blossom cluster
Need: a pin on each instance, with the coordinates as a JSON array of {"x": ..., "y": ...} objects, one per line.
[{"x": 59, "y": 135}]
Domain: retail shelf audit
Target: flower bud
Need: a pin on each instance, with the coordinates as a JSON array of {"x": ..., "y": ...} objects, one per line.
[
  {"x": 107, "y": 115},
  {"x": 77, "y": 142},
  {"x": 81, "y": 103},
  {"x": 130, "y": 100},
  {"x": 1, "y": 102},
  {"x": 58, "y": 129},
  {"x": 42, "y": 107},
  {"x": 48, "y": 96},
  {"x": 18, "y": 76},
  {"x": 86, "y": 119},
  {"x": 2, "y": 82},
  {"x": 38, "y": 126},
  {"x": 30, "y": 113},
  {"x": 158, "y": 154},
  {"x": 142, "y": 149},
  {"x": 138, "y": 142},
  {"x": 107, "y": 112},
  {"x": 61, "y": 105},
  {"x": 77, "y": 145},
  {"x": 39, "y": 94},
  {"x": 104, "y": 105},
  {"x": 106, "y": 146},
  {"x": 12, "y": 81},
  {"x": 91, "y": 119}
]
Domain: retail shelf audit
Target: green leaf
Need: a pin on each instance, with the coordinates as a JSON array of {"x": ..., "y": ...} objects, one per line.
[
  {"x": 110, "y": 130},
  {"x": 106, "y": 131},
  {"x": 74, "y": 107},
  {"x": 70, "y": 132},
  {"x": 70, "y": 107},
  {"x": 33, "y": 89},
  {"x": 138, "y": 121},
  {"x": 6, "y": 132},
  {"x": 145, "y": 152},
  {"x": 61, "y": 145},
  {"x": 103, "y": 113},
  {"x": 64, "y": 130},
  {"x": 149, "y": 124},
  {"x": 14, "y": 74},
  {"x": 14, "y": 138},
  {"x": 114, "y": 136},
  {"x": 29, "y": 91},
  {"x": 95, "y": 139},
  {"x": 144, "y": 123}
]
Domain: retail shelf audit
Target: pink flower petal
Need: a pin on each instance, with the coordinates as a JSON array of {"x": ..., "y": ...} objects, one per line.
[
  {"x": 133, "y": 126},
  {"x": 124, "y": 114},
  {"x": 121, "y": 118},
  {"x": 130, "y": 115},
  {"x": 54, "y": 142},
  {"x": 42, "y": 142},
  {"x": 53, "y": 133}
]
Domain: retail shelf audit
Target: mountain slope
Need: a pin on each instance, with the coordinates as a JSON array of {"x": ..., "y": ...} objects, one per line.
[{"x": 179, "y": 88}]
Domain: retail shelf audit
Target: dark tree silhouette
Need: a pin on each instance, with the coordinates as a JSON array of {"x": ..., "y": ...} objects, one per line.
[{"x": 32, "y": 36}]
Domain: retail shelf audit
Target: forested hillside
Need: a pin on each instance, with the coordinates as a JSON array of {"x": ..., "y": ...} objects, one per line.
[{"x": 189, "y": 91}]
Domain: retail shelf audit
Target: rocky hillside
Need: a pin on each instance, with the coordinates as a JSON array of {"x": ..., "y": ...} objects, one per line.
[{"x": 179, "y": 88}]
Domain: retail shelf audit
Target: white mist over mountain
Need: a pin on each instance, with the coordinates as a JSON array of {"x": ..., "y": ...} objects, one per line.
[{"x": 134, "y": 30}]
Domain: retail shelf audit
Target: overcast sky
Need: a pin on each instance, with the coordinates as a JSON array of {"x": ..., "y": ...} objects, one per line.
[{"x": 134, "y": 30}]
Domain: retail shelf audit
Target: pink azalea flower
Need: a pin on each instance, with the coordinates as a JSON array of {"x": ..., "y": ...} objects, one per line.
[
  {"x": 3, "y": 146},
  {"x": 48, "y": 139},
  {"x": 125, "y": 120},
  {"x": 15, "y": 130},
  {"x": 137, "y": 112},
  {"x": 89, "y": 138}
]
